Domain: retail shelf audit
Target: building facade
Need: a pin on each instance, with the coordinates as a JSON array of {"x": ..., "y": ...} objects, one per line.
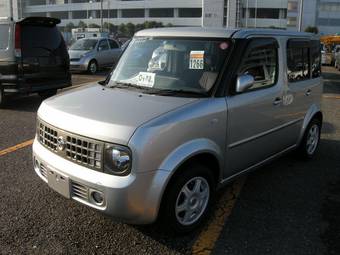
[
  {"x": 218, "y": 13},
  {"x": 324, "y": 14}
]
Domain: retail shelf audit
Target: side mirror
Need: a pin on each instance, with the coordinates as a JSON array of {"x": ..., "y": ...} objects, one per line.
[
  {"x": 100, "y": 48},
  {"x": 244, "y": 82}
]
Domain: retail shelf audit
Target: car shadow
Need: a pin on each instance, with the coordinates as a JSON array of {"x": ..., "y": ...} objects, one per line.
[
  {"x": 23, "y": 103},
  {"x": 331, "y": 82}
]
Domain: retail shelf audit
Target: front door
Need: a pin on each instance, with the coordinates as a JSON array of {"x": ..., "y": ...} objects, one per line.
[{"x": 256, "y": 122}]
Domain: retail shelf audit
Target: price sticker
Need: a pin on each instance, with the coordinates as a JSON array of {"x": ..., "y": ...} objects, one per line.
[{"x": 196, "y": 60}]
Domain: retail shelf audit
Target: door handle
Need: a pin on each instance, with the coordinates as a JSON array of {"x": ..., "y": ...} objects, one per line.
[
  {"x": 308, "y": 92},
  {"x": 277, "y": 101}
]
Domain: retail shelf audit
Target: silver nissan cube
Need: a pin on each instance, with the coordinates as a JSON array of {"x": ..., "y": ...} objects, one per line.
[{"x": 185, "y": 111}]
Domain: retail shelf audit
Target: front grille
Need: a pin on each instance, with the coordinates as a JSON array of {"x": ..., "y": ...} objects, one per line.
[
  {"x": 80, "y": 191},
  {"x": 43, "y": 170},
  {"x": 81, "y": 150},
  {"x": 74, "y": 59}
]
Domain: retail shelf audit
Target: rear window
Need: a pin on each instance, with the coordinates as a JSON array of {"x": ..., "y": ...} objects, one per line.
[
  {"x": 40, "y": 37},
  {"x": 4, "y": 35}
]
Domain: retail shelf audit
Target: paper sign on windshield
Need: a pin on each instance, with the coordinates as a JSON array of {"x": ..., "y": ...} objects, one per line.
[
  {"x": 146, "y": 79},
  {"x": 196, "y": 59}
]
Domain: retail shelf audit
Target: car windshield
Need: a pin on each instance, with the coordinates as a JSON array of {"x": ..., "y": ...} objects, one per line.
[
  {"x": 84, "y": 44},
  {"x": 171, "y": 64}
]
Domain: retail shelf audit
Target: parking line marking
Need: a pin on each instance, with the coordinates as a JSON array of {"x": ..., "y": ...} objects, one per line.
[
  {"x": 206, "y": 240},
  {"x": 16, "y": 147},
  {"x": 331, "y": 97}
]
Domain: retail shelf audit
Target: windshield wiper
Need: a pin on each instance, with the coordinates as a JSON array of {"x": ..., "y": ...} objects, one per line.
[
  {"x": 170, "y": 92},
  {"x": 128, "y": 85},
  {"x": 161, "y": 92}
]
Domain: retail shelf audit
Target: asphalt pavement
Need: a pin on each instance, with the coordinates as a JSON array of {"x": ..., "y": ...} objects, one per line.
[{"x": 288, "y": 207}]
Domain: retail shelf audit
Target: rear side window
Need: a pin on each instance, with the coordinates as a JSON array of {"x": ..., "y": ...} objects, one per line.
[
  {"x": 315, "y": 59},
  {"x": 113, "y": 44},
  {"x": 298, "y": 60},
  {"x": 103, "y": 45},
  {"x": 41, "y": 37},
  {"x": 261, "y": 62},
  {"x": 4, "y": 36}
]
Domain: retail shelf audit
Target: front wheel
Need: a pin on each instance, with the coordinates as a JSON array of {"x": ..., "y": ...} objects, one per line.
[
  {"x": 188, "y": 199},
  {"x": 46, "y": 94},
  {"x": 93, "y": 67},
  {"x": 2, "y": 97},
  {"x": 311, "y": 139}
]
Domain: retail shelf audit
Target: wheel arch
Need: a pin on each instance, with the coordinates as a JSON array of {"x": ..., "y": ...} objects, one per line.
[{"x": 313, "y": 112}]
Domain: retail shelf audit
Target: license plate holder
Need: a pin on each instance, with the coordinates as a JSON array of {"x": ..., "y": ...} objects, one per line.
[{"x": 58, "y": 182}]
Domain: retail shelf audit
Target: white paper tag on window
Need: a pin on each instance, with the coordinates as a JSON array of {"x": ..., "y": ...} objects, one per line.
[
  {"x": 146, "y": 79},
  {"x": 196, "y": 59}
]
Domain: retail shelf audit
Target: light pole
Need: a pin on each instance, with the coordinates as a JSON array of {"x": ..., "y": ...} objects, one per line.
[
  {"x": 255, "y": 13},
  {"x": 87, "y": 15},
  {"x": 300, "y": 15},
  {"x": 101, "y": 15}
]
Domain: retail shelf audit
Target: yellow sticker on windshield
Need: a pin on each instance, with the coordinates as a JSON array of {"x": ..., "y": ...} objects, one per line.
[{"x": 196, "y": 59}]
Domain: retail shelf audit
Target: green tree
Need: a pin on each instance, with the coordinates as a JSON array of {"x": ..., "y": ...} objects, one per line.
[
  {"x": 69, "y": 27},
  {"x": 122, "y": 29},
  {"x": 110, "y": 27},
  {"x": 311, "y": 29},
  {"x": 92, "y": 25},
  {"x": 130, "y": 29},
  {"x": 82, "y": 24}
]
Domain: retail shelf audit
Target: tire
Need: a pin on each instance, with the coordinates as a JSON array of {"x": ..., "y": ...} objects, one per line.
[
  {"x": 2, "y": 97},
  {"x": 93, "y": 67},
  {"x": 48, "y": 93},
  {"x": 180, "y": 195},
  {"x": 311, "y": 139}
]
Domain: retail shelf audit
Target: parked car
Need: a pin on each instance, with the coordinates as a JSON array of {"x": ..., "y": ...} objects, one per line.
[
  {"x": 337, "y": 57},
  {"x": 33, "y": 57},
  {"x": 90, "y": 54},
  {"x": 185, "y": 111}
]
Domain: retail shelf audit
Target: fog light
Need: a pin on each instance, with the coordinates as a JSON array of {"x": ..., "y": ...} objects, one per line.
[{"x": 97, "y": 197}]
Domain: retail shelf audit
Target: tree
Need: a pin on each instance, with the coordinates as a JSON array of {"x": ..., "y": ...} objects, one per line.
[
  {"x": 311, "y": 29},
  {"x": 110, "y": 27},
  {"x": 122, "y": 29},
  {"x": 130, "y": 29},
  {"x": 82, "y": 24},
  {"x": 92, "y": 25},
  {"x": 69, "y": 27}
]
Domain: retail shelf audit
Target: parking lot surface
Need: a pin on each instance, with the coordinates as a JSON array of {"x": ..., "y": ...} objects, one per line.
[{"x": 288, "y": 207}]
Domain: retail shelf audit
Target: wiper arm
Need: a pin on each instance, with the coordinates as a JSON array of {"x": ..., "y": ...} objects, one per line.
[
  {"x": 130, "y": 85},
  {"x": 180, "y": 91}
]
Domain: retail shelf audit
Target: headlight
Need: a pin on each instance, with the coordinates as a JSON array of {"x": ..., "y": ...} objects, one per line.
[{"x": 117, "y": 160}]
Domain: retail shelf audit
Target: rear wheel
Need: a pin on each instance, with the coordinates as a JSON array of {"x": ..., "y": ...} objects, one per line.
[
  {"x": 311, "y": 139},
  {"x": 46, "y": 94},
  {"x": 188, "y": 199},
  {"x": 2, "y": 96},
  {"x": 93, "y": 67}
]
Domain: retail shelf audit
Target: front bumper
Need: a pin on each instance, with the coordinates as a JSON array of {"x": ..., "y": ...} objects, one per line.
[
  {"x": 78, "y": 66},
  {"x": 133, "y": 199}
]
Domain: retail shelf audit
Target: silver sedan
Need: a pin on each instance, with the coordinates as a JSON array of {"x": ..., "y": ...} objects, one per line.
[{"x": 90, "y": 54}]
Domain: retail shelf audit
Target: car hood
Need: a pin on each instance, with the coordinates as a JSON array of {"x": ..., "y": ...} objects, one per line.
[
  {"x": 77, "y": 53},
  {"x": 106, "y": 114}
]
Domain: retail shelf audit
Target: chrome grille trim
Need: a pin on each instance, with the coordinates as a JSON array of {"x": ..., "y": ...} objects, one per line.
[
  {"x": 43, "y": 170},
  {"x": 80, "y": 191},
  {"x": 83, "y": 151}
]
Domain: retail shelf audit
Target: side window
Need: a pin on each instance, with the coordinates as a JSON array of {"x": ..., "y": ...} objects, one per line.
[
  {"x": 261, "y": 61},
  {"x": 316, "y": 59},
  {"x": 103, "y": 45},
  {"x": 113, "y": 44},
  {"x": 298, "y": 60}
]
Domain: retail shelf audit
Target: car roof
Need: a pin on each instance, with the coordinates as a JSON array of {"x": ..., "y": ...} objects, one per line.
[{"x": 211, "y": 32}]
